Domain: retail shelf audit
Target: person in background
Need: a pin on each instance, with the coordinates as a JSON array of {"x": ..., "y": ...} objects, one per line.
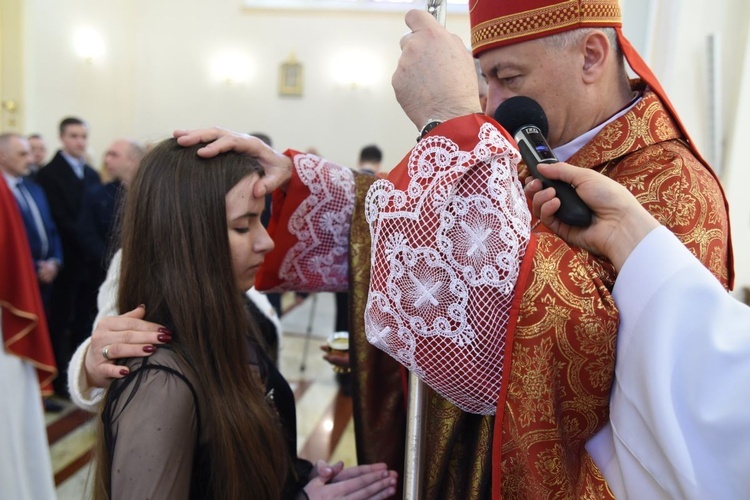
[
  {"x": 100, "y": 202},
  {"x": 41, "y": 231},
  {"x": 38, "y": 153},
  {"x": 73, "y": 304},
  {"x": 209, "y": 415},
  {"x": 26, "y": 365},
  {"x": 674, "y": 431},
  {"x": 370, "y": 160}
]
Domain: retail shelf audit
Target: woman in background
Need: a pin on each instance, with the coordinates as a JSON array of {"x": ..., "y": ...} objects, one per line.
[{"x": 209, "y": 415}]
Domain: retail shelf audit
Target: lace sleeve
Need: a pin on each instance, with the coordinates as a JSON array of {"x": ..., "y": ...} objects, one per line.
[
  {"x": 310, "y": 226},
  {"x": 449, "y": 231}
]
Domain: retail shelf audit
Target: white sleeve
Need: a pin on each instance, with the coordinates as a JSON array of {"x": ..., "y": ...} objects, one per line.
[
  {"x": 679, "y": 413},
  {"x": 261, "y": 301},
  {"x": 83, "y": 395}
]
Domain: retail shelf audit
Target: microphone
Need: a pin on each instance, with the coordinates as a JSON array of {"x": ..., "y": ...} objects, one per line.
[{"x": 524, "y": 118}]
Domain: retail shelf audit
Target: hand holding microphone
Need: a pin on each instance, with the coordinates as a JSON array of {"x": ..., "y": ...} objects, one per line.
[{"x": 524, "y": 118}]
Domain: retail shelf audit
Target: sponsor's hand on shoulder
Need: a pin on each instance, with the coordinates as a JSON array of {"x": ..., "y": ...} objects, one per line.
[{"x": 124, "y": 336}]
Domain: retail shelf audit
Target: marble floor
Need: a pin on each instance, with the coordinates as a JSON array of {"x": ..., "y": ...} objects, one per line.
[{"x": 324, "y": 424}]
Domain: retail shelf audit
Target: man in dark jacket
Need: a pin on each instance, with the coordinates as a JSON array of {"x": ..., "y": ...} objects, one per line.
[{"x": 73, "y": 305}]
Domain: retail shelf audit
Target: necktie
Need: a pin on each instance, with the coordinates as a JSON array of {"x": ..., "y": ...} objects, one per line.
[{"x": 30, "y": 207}]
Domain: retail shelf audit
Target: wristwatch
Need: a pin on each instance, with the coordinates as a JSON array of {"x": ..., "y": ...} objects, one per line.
[{"x": 431, "y": 124}]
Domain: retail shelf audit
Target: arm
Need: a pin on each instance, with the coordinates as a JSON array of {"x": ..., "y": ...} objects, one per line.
[
  {"x": 311, "y": 213},
  {"x": 47, "y": 269},
  {"x": 435, "y": 78},
  {"x": 310, "y": 225},
  {"x": 126, "y": 335},
  {"x": 678, "y": 416},
  {"x": 449, "y": 231}
]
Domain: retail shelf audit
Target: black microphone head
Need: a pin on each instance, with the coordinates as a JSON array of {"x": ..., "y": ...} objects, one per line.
[{"x": 521, "y": 111}]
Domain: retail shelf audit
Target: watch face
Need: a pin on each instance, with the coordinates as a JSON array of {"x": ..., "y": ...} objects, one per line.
[{"x": 426, "y": 129}]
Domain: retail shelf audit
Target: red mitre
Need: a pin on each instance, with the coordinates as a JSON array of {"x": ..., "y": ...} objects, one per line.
[{"x": 495, "y": 23}]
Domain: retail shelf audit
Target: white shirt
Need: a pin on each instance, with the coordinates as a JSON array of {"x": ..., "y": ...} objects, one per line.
[
  {"x": 680, "y": 407},
  {"x": 77, "y": 164}
]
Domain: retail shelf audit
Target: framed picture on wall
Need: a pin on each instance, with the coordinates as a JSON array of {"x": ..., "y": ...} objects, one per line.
[{"x": 290, "y": 78}]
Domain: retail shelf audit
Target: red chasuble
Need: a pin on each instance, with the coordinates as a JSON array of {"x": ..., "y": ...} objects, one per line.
[{"x": 555, "y": 327}]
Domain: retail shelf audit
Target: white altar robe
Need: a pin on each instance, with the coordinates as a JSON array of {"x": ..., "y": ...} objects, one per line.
[
  {"x": 25, "y": 465},
  {"x": 680, "y": 407}
]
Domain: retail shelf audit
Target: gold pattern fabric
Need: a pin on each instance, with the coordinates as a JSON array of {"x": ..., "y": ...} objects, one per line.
[
  {"x": 645, "y": 152},
  {"x": 561, "y": 374},
  {"x": 562, "y": 363},
  {"x": 378, "y": 401}
]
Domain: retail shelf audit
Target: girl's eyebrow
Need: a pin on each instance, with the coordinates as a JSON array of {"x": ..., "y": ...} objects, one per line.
[{"x": 245, "y": 215}]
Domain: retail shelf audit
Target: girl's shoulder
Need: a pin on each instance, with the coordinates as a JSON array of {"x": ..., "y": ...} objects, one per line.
[{"x": 164, "y": 376}]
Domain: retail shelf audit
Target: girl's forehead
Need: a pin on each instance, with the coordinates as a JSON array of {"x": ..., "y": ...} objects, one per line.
[{"x": 240, "y": 198}]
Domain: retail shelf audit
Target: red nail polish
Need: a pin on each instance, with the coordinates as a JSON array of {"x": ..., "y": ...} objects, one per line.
[
  {"x": 165, "y": 331},
  {"x": 149, "y": 348},
  {"x": 164, "y": 338},
  {"x": 124, "y": 372}
]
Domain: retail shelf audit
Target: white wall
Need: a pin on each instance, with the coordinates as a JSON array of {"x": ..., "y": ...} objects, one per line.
[
  {"x": 155, "y": 76},
  {"x": 737, "y": 178}
]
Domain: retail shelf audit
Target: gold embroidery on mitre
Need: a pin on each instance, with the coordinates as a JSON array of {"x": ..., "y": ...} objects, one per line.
[{"x": 544, "y": 19}]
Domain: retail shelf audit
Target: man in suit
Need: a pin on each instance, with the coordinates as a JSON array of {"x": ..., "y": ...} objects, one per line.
[
  {"x": 98, "y": 215},
  {"x": 41, "y": 231},
  {"x": 38, "y": 153},
  {"x": 44, "y": 240},
  {"x": 73, "y": 305}
]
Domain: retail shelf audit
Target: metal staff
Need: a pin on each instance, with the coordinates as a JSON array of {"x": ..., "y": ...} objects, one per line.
[
  {"x": 437, "y": 9},
  {"x": 414, "y": 455}
]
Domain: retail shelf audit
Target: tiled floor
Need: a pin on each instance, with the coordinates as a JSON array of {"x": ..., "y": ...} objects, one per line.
[{"x": 324, "y": 425}]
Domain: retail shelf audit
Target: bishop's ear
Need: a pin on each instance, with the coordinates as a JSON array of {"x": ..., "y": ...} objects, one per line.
[{"x": 597, "y": 53}]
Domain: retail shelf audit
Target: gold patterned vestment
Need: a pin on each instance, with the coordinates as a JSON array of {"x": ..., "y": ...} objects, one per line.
[
  {"x": 556, "y": 384},
  {"x": 564, "y": 343}
]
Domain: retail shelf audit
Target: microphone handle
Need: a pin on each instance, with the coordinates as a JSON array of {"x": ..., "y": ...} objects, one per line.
[{"x": 573, "y": 211}]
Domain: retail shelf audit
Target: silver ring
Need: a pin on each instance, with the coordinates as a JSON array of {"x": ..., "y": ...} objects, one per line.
[{"x": 105, "y": 353}]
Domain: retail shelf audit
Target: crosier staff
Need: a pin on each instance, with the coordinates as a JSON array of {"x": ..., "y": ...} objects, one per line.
[{"x": 414, "y": 455}]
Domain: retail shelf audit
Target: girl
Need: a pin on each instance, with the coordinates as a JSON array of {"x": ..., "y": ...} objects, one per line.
[{"x": 207, "y": 416}]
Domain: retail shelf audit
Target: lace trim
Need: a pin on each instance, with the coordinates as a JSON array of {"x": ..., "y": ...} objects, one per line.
[
  {"x": 446, "y": 257},
  {"x": 319, "y": 259}
]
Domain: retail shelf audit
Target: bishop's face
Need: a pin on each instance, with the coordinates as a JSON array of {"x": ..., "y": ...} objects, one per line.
[{"x": 549, "y": 76}]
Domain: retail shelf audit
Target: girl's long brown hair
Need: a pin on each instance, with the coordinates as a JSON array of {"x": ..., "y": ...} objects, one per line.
[{"x": 176, "y": 260}]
